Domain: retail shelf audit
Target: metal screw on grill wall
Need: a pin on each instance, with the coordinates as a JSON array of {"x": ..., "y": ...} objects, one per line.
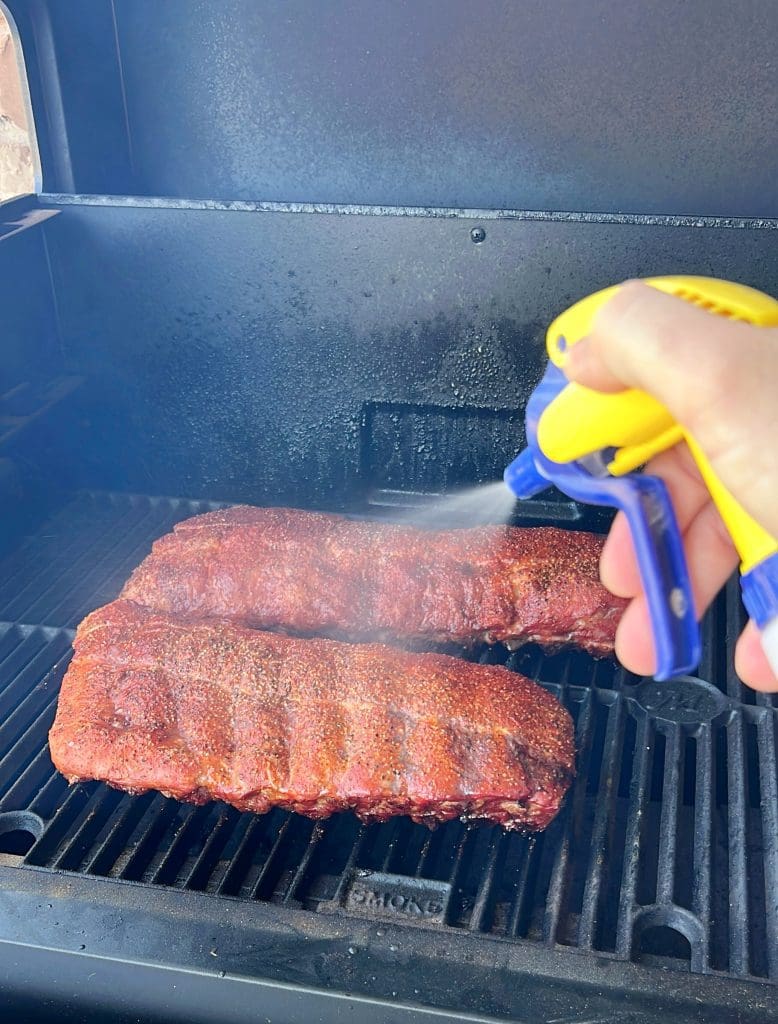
[{"x": 477, "y": 235}]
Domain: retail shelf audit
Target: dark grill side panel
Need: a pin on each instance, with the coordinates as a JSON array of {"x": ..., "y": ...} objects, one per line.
[{"x": 666, "y": 851}]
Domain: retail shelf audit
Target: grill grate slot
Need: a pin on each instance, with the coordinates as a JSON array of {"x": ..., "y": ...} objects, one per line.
[
  {"x": 666, "y": 851},
  {"x": 17, "y": 649},
  {"x": 525, "y": 870},
  {"x": 104, "y": 580},
  {"x": 269, "y": 871},
  {"x": 119, "y": 828},
  {"x": 301, "y": 870},
  {"x": 355, "y": 852},
  {"x": 36, "y": 773},
  {"x": 200, "y": 876},
  {"x": 164, "y": 869},
  {"x": 240, "y": 863},
  {"x": 144, "y": 844},
  {"x": 480, "y": 919},
  {"x": 47, "y": 847},
  {"x": 80, "y": 840}
]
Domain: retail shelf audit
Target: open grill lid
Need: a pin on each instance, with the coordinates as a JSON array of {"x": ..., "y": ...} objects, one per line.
[{"x": 662, "y": 109}]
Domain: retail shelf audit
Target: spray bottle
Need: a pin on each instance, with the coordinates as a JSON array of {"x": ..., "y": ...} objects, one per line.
[{"x": 614, "y": 435}]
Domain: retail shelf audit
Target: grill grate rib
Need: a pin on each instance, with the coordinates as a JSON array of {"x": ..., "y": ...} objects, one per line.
[
  {"x": 738, "y": 881},
  {"x": 670, "y": 824},
  {"x": 769, "y": 811},
  {"x": 634, "y": 838},
  {"x": 703, "y": 832},
  {"x": 602, "y": 818},
  {"x": 479, "y": 919}
]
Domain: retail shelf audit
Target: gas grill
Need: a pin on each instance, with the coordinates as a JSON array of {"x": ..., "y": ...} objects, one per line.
[{"x": 195, "y": 313}]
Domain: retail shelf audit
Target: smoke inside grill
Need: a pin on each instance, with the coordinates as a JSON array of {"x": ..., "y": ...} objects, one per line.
[{"x": 665, "y": 852}]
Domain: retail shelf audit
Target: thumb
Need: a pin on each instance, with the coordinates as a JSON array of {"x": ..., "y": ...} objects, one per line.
[
  {"x": 718, "y": 378},
  {"x": 644, "y": 338}
]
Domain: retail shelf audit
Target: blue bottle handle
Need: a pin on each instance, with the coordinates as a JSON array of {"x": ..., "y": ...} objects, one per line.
[{"x": 654, "y": 528}]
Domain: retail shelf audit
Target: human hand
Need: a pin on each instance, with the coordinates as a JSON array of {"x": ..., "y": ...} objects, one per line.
[{"x": 719, "y": 379}]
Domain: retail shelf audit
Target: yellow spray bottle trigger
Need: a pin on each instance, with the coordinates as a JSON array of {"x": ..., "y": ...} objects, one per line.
[{"x": 631, "y": 425}]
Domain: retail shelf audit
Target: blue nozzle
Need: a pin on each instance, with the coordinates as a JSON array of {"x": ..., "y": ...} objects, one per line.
[{"x": 523, "y": 478}]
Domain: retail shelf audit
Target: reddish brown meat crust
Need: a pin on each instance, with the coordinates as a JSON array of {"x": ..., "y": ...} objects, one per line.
[
  {"x": 213, "y": 711},
  {"x": 310, "y": 573}
]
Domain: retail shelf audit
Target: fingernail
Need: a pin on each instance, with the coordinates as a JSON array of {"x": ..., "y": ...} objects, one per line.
[{"x": 577, "y": 358}]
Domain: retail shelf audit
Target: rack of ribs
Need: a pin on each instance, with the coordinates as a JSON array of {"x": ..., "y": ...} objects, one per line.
[
  {"x": 313, "y": 573},
  {"x": 208, "y": 709}
]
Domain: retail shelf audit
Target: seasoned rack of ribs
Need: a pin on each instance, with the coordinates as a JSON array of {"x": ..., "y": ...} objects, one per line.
[
  {"x": 313, "y": 573},
  {"x": 210, "y": 710}
]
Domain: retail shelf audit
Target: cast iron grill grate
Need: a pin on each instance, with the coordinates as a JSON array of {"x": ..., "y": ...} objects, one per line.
[{"x": 666, "y": 851}]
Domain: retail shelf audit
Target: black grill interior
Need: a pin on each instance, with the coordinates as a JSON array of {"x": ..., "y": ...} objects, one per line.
[
  {"x": 666, "y": 852},
  {"x": 200, "y": 303}
]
